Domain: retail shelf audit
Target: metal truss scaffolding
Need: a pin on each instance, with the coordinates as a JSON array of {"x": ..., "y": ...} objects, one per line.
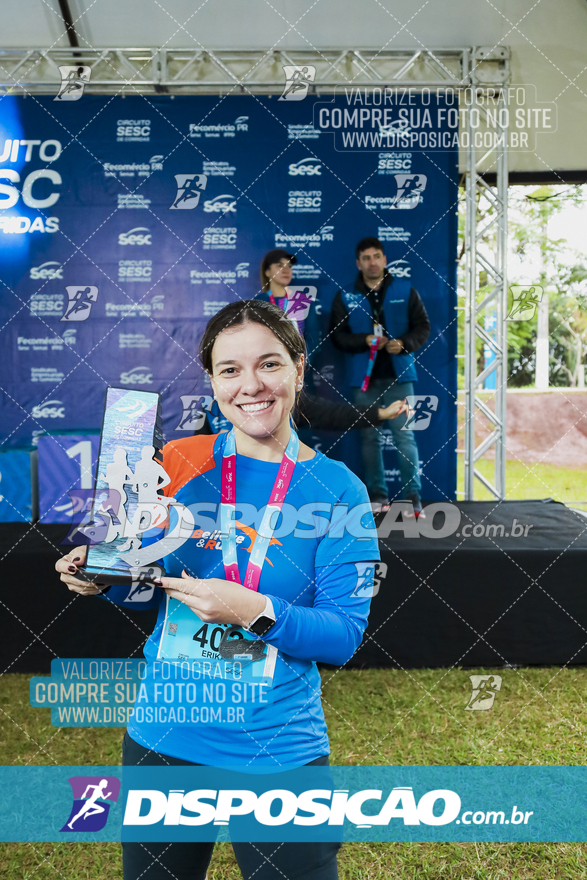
[
  {"x": 486, "y": 258},
  {"x": 205, "y": 71},
  {"x": 476, "y": 73}
]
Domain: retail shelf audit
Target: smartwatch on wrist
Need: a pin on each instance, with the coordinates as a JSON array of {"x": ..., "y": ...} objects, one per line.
[{"x": 262, "y": 623}]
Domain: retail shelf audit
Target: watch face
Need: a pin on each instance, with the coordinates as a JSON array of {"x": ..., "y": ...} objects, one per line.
[{"x": 261, "y": 626}]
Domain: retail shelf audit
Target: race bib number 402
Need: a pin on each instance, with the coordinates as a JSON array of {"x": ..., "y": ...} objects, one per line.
[{"x": 230, "y": 651}]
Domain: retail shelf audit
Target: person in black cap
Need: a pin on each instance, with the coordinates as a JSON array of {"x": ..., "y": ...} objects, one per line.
[{"x": 276, "y": 275}]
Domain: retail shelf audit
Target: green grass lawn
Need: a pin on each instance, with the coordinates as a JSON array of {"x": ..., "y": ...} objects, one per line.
[
  {"x": 530, "y": 480},
  {"x": 374, "y": 717}
]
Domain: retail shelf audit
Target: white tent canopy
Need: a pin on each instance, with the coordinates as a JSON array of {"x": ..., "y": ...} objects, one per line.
[{"x": 547, "y": 41}]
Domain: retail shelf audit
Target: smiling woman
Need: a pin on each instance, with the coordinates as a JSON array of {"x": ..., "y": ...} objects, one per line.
[
  {"x": 256, "y": 362},
  {"x": 253, "y": 612}
]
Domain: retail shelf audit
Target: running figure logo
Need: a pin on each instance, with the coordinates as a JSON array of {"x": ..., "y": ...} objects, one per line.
[
  {"x": 90, "y": 802},
  {"x": 525, "y": 300},
  {"x": 189, "y": 189},
  {"x": 369, "y": 577},
  {"x": 297, "y": 81},
  {"x": 141, "y": 587},
  {"x": 409, "y": 190},
  {"x": 73, "y": 81},
  {"x": 193, "y": 416},
  {"x": 299, "y": 300},
  {"x": 484, "y": 691},
  {"x": 421, "y": 408},
  {"x": 80, "y": 302}
]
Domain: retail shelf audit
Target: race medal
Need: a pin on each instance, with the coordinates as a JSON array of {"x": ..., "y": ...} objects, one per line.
[
  {"x": 373, "y": 348},
  {"x": 229, "y": 651}
]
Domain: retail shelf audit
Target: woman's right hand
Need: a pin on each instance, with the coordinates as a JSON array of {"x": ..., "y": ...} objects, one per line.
[{"x": 67, "y": 567}]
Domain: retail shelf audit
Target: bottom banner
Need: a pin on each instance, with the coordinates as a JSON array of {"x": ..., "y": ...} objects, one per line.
[{"x": 312, "y": 803}]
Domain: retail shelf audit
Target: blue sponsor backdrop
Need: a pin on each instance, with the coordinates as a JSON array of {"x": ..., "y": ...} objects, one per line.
[
  {"x": 17, "y": 489},
  {"x": 66, "y": 461},
  {"x": 125, "y": 223}
]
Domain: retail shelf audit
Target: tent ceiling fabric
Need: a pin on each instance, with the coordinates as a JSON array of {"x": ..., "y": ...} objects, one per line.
[{"x": 547, "y": 40}]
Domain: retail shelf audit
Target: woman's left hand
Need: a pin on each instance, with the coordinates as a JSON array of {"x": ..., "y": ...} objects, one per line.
[{"x": 215, "y": 600}]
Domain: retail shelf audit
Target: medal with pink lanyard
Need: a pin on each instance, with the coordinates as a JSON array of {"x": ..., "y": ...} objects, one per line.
[
  {"x": 227, "y": 647},
  {"x": 228, "y": 509},
  {"x": 378, "y": 333}
]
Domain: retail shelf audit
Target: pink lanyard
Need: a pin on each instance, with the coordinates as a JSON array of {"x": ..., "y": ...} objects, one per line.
[
  {"x": 274, "y": 505},
  {"x": 372, "y": 356}
]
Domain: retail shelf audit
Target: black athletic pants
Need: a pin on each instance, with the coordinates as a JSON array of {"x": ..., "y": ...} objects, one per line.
[{"x": 189, "y": 861}]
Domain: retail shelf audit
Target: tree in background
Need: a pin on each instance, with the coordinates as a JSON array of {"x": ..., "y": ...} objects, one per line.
[
  {"x": 553, "y": 265},
  {"x": 562, "y": 275}
]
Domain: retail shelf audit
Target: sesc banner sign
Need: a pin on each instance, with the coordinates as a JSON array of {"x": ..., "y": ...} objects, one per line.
[{"x": 125, "y": 224}]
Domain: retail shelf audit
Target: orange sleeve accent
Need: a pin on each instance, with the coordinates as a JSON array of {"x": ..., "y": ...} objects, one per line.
[{"x": 187, "y": 458}]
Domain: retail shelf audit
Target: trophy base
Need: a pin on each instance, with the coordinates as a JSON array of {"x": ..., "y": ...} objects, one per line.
[{"x": 110, "y": 577}]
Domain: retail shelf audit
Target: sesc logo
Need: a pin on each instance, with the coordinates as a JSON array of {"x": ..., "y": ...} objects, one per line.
[
  {"x": 135, "y": 270},
  {"x": 307, "y": 167},
  {"x": 220, "y": 238},
  {"x": 133, "y": 130},
  {"x": 51, "y": 409},
  {"x": 242, "y": 270},
  {"x": 400, "y": 269},
  {"x": 49, "y": 271},
  {"x": 304, "y": 201},
  {"x": 224, "y": 204},
  {"x": 389, "y": 162},
  {"x": 137, "y": 376},
  {"x": 140, "y": 235}
]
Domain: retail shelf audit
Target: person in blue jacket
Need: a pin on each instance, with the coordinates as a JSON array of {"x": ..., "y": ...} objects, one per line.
[
  {"x": 384, "y": 315},
  {"x": 313, "y": 411},
  {"x": 262, "y": 599}
]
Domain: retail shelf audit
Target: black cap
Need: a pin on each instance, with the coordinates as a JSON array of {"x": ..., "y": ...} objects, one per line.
[{"x": 276, "y": 255}]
